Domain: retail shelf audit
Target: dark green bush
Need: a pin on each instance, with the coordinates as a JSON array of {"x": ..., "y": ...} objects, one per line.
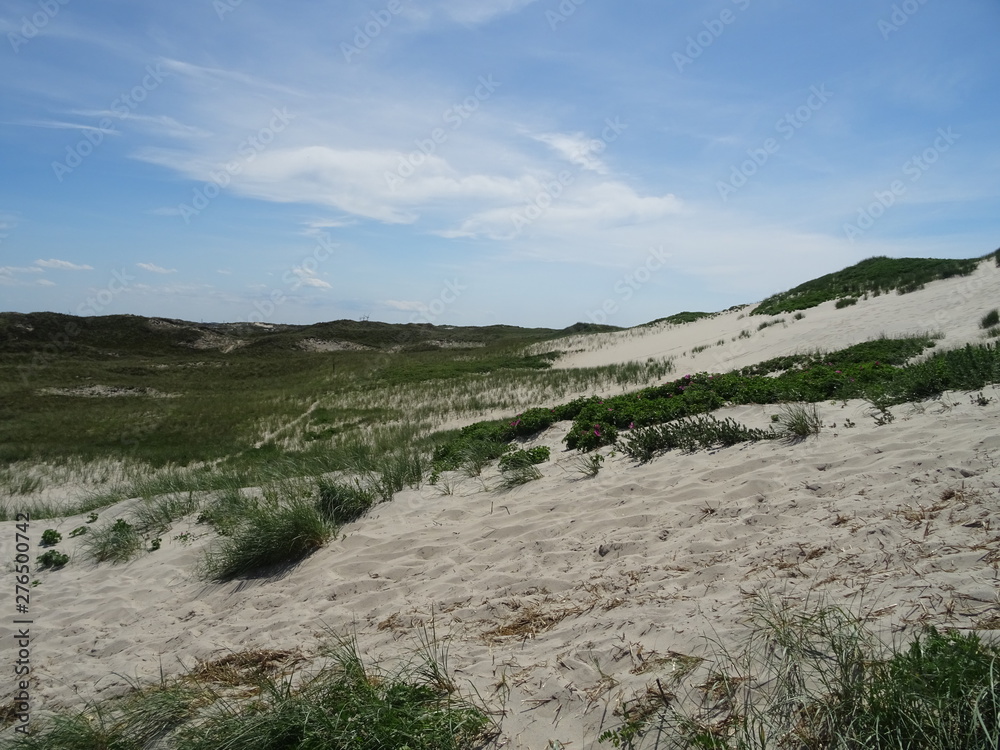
[
  {"x": 990, "y": 319},
  {"x": 846, "y": 302},
  {"x": 50, "y": 537},
  {"x": 52, "y": 559},
  {"x": 343, "y": 503}
]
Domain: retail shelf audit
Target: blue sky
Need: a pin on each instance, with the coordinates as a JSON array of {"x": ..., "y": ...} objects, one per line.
[{"x": 469, "y": 162}]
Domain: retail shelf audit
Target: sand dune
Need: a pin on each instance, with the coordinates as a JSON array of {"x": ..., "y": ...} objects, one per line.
[{"x": 557, "y": 598}]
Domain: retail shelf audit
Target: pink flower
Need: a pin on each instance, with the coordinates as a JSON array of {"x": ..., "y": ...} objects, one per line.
[
  {"x": 597, "y": 430},
  {"x": 631, "y": 425}
]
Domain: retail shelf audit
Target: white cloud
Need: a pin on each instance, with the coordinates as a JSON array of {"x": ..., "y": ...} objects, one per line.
[
  {"x": 62, "y": 265},
  {"x": 45, "y": 282},
  {"x": 8, "y": 270},
  {"x": 307, "y": 277},
  {"x": 590, "y": 207},
  {"x": 155, "y": 268},
  {"x": 576, "y": 148}
]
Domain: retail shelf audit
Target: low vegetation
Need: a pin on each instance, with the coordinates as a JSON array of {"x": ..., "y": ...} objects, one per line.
[
  {"x": 820, "y": 680},
  {"x": 248, "y": 702}
]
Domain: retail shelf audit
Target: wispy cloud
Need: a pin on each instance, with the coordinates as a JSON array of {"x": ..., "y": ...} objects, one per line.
[
  {"x": 152, "y": 267},
  {"x": 63, "y": 125},
  {"x": 405, "y": 305},
  {"x": 62, "y": 265}
]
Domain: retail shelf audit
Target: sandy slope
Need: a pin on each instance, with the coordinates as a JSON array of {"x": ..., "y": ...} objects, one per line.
[
  {"x": 953, "y": 307},
  {"x": 557, "y": 598}
]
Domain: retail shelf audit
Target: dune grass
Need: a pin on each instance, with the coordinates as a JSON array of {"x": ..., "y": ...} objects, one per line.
[
  {"x": 799, "y": 421},
  {"x": 819, "y": 679},
  {"x": 116, "y": 542},
  {"x": 345, "y": 704},
  {"x": 267, "y": 534}
]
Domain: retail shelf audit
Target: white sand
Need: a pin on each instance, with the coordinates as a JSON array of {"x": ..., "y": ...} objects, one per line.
[{"x": 638, "y": 562}]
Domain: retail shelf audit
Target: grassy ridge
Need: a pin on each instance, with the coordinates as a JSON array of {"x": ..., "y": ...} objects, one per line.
[{"x": 878, "y": 275}]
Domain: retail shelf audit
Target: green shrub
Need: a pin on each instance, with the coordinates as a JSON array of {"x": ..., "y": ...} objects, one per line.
[
  {"x": 846, "y": 302},
  {"x": 343, "y": 503},
  {"x": 52, "y": 559},
  {"x": 50, "y": 537},
  {"x": 118, "y": 542},
  {"x": 78, "y": 531},
  {"x": 270, "y": 534},
  {"x": 517, "y": 459},
  {"x": 990, "y": 319},
  {"x": 515, "y": 476}
]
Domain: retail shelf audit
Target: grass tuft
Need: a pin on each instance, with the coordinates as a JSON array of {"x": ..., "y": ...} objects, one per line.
[
  {"x": 343, "y": 503},
  {"x": 799, "y": 421},
  {"x": 118, "y": 542},
  {"x": 270, "y": 534}
]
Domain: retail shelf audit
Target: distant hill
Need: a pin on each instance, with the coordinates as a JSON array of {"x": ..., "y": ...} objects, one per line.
[{"x": 134, "y": 334}]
